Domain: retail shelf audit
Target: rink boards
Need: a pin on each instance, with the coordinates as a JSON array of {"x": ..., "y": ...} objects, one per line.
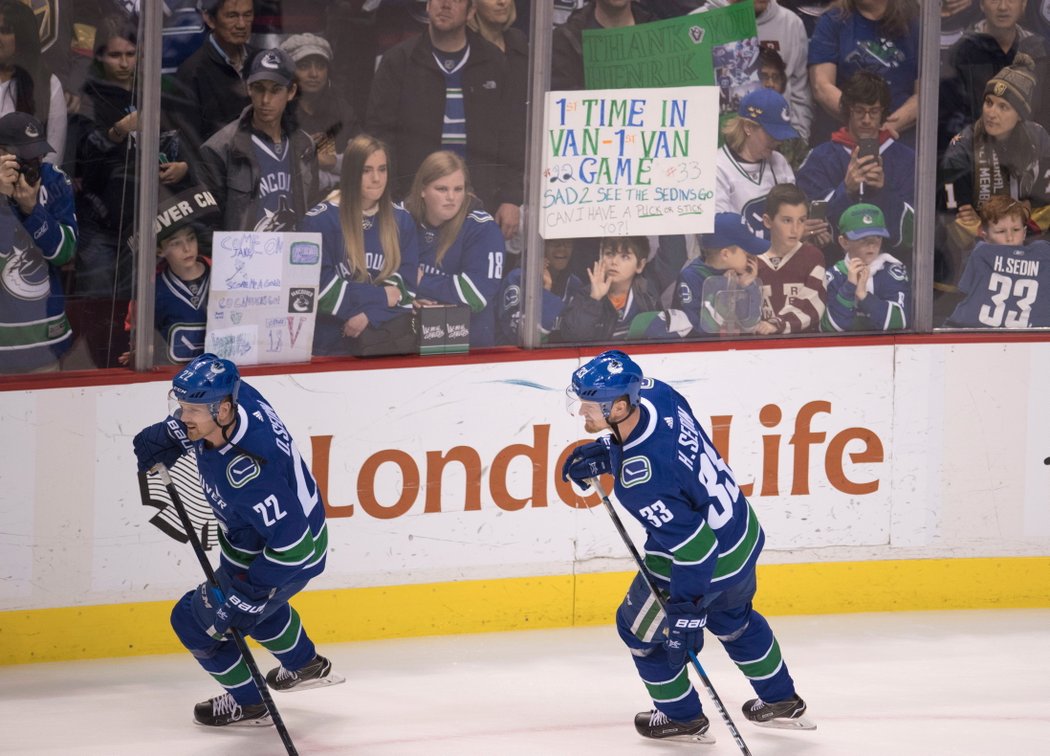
[{"x": 887, "y": 475}]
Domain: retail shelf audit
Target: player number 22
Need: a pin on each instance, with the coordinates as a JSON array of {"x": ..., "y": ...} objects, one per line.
[{"x": 270, "y": 510}]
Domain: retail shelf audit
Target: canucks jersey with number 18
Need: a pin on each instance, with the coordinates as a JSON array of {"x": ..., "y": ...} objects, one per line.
[
  {"x": 702, "y": 534},
  {"x": 271, "y": 517}
]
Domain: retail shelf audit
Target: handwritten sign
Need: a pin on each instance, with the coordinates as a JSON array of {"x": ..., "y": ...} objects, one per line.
[
  {"x": 263, "y": 300},
  {"x": 629, "y": 162},
  {"x": 672, "y": 53},
  {"x": 719, "y": 46}
]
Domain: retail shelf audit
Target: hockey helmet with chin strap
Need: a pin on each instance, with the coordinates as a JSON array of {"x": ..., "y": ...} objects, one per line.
[
  {"x": 208, "y": 380},
  {"x": 610, "y": 376}
]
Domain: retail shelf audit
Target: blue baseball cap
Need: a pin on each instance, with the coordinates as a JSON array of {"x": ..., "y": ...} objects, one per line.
[
  {"x": 770, "y": 110},
  {"x": 731, "y": 231}
]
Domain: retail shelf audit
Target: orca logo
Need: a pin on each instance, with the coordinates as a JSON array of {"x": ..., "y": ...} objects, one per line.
[
  {"x": 300, "y": 300},
  {"x": 271, "y": 60}
]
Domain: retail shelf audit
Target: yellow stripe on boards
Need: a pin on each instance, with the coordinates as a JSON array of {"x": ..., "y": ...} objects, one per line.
[{"x": 477, "y": 606}]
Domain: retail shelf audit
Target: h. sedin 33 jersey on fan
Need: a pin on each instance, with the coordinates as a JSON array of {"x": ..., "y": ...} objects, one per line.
[
  {"x": 702, "y": 534},
  {"x": 268, "y": 529}
]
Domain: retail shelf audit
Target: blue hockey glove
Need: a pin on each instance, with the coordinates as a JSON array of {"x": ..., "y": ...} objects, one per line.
[
  {"x": 160, "y": 442},
  {"x": 587, "y": 461},
  {"x": 240, "y": 607},
  {"x": 685, "y": 631}
]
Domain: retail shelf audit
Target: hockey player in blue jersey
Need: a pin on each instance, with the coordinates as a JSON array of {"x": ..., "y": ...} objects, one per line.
[
  {"x": 461, "y": 246},
  {"x": 272, "y": 535},
  {"x": 868, "y": 289},
  {"x": 702, "y": 543}
]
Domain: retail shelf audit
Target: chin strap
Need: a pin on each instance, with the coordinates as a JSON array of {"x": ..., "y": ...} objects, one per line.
[{"x": 616, "y": 425}]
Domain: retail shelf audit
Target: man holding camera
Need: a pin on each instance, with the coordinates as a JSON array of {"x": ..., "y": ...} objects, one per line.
[
  {"x": 863, "y": 161},
  {"x": 38, "y": 235}
]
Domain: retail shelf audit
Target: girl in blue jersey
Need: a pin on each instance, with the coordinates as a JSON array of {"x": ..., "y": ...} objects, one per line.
[
  {"x": 461, "y": 246},
  {"x": 369, "y": 260}
]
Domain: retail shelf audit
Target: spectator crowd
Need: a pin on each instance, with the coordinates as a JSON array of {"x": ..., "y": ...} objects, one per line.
[{"x": 396, "y": 130}]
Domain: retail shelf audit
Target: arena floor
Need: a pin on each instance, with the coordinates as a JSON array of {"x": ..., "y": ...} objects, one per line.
[{"x": 954, "y": 682}]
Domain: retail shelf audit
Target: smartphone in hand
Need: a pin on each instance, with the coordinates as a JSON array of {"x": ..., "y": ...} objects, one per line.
[
  {"x": 818, "y": 210},
  {"x": 867, "y": 148}
]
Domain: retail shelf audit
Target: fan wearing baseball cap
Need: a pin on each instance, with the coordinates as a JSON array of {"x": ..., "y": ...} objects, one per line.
[
  {"x": 748, "y": 164},
  {"x": 261, "y": 168},
  {"x": 38, "y": 235},
  {"x": 718, "y": 291},
  {"x": 868, "y": 289}
]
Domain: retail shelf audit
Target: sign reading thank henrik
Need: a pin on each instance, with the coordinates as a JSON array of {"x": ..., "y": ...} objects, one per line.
[{"x": 629, "y": 162}]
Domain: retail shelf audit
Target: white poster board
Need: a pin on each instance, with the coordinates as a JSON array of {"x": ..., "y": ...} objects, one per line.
[
  {"x": 263, "y": 300},
  {"x": 629, "y": 162}
]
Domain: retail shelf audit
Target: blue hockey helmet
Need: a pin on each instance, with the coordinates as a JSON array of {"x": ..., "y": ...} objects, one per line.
[
  {"x": 208, "y": 379},
  {"x": 608, "y": 377}
]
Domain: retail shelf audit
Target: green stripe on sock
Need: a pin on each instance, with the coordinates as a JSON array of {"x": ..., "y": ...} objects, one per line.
[
  {"x": 235, "y": 676},
  {"x": 671, "y": 690},
  {"x": 764, "y": 667},
  {"x": 286, "y": 640}
]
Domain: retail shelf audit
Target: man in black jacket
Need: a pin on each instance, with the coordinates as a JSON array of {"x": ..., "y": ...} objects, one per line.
[
  {"x": 449, "y": 89},
  {"x": 567, "y": 42},
  {"x": 261, "y": 169},
  {"x": 209, "y": 83}
]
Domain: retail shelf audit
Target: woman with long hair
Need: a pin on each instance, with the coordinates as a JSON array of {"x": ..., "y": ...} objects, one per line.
[
  {"x": 370, "y": 259},
  {"x": 26, "y": 86},
  {"x": 461, "y": 246}
]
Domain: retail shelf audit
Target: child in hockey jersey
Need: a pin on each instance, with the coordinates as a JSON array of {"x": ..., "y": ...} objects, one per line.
[
  {"x": 616, "y": 293},
  {"x": 868, "y": 289},
  {"x": 369, "y": 260},
  {"x": 1002, "y": 276},
  {"x": 792, "y": 272},
  {"x": 559, "y": 284},
  {"x": 719, "y": 291},
  {"x": 461, "y": 246}
]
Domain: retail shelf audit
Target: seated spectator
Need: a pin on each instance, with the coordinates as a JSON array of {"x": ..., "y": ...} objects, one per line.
[
  {"x": 1003, "y": 152},
  {"x": 748, "y": 165},
  {"x": 181, "y": 301},
  {"x": 494, "y": 21},
  {"x": 772, "y": 74},
  {"x": 461, "y": 249},
  {"x": 616, "y": 294},
  {"x": 839, "y": 172},
  {"x": 369, "y": 260},
  {"x": 782, "y": 31},
  {"x": 810, "y": 11},
  {"x": 880, "y": 36},
  {"x": 450, "y": 89},
  {"x": 210, "y": 83},
  {"x": 26, "y": 86},
  {"x": 1001, "y": 281},
  {"x": 107, "y": 176},
  {"x": 792, "y": 271},
  {"x": 567, "y": 42},
  {"x": 559, "y": 284},
  {"x": 261, "y": 169},
  {"x": 980, "y": 54},
  {"x": 38, "y": 234},
  {"x": 719, "y": 291},
  {"x": 957, "y": 17},
  {"x": 320, "y": 109},
  {"x": 868, "y": 289}
]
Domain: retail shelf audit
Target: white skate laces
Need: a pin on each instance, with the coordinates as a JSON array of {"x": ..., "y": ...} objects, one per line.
[
  {"x": 284, "y": 674},
  {"x": 657, "y": 718},
  {"x": 226, "y": 704}
]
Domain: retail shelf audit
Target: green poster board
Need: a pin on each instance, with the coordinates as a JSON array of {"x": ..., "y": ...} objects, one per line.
[{"x": 683, "y": 51}]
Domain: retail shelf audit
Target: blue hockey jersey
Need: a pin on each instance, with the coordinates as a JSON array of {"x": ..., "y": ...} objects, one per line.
[
  {"x": 510, "y": 300},
  {"x": 270, "y": 514},
  {"x": 341, "y": 295},
  {"x": 886, "y": 307},
  {"x": 34, "y": 329},
  {"x": 735, "y": 309},
  {"x": 1005, "y": 287},
  {"x": 181, "y": 312},
  {"x": 469, "y": 273},
  {"x": 701, "y": 533}
]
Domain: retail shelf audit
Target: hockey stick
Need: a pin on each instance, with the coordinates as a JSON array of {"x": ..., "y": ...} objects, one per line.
[
  {"x": 209, "y": 573},
  {"x": 663, "y": 607}
]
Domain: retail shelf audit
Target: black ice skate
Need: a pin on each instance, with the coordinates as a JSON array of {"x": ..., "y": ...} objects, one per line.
[
  {"x": 315, "y": 674},
  {"x": 788, "y": 714},
  {"x": 655, "y": 724},
  {"x": 223, "y": 710}
]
